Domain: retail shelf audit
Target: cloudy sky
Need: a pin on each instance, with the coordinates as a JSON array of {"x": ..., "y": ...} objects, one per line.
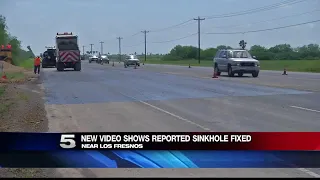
[{"x": 36, "y": 22}]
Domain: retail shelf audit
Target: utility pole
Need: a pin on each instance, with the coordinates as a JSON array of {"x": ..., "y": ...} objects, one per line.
[
  {"x": 101, "y": 51},
  {"x": 119, "y": 38},
  {"x": 145, "y": 45},
  {"x": 91, "y": 48},
  {"x": 199, "y": 48}
]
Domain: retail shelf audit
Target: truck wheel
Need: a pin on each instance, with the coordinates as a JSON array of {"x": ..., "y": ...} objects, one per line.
[
  {"x": 77, "y": 66},
  {"x": 60, "y": 67},
  {"x": 255, "y": 74},
  {"x": 230, "y": 73}
]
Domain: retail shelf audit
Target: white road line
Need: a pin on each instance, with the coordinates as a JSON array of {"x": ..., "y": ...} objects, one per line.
[
  {"x": 36, "y": 91},
  {"x": 313, "y": 174},
  {"x": 176, "y": 116},
  {"x": 297, "y": 107}
]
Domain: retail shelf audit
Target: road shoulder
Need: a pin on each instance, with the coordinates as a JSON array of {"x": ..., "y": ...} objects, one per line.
[{"x": 22, "y": 110}]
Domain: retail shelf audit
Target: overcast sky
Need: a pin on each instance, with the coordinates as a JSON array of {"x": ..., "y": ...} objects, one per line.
[{"x": 36, "y": 22}]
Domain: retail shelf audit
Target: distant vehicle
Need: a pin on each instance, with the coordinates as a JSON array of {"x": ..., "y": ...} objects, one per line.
[
  {"x": 131, "y": 60},
  {"x": 49, "y": 58},
  {"x": 236, "y": 61},
  {"x": 68, "y": 53},
  {"x": 104, "y": 59},
  {"x": 93, "y": 57}
]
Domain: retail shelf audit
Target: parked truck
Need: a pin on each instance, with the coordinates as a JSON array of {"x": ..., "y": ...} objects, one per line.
[
  {"x": 68, "y": 53},
  {"x": 49, "y": 57}
]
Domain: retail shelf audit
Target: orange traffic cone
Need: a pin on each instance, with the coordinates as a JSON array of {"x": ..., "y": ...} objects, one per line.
[
  {"x": 284, "y": 71},
  {"x": 214, "y": 74}
]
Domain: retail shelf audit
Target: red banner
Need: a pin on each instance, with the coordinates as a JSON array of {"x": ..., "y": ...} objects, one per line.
[{"x": 284, "y": 141}]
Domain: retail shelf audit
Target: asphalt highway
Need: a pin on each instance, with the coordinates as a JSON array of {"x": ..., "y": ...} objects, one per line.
[{"x": 159, "y": 98}]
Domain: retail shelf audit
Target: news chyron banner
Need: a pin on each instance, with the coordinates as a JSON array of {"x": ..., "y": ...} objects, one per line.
[
  {"x": 160, "y": 150},
  {"x": 160, "y": 141}
]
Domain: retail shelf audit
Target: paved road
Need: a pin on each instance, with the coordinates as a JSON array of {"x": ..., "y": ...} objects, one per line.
[{"x": 167, "y": 98}]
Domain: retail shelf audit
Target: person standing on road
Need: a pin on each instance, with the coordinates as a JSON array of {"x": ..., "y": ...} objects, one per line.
[{"x": 37, "y": 62}]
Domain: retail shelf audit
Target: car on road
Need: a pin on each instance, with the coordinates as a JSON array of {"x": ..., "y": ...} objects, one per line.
[
  {"x": 131, "y": 60},
  {"x": 104, "y": 59},
  {"x": 93, "y": 58},
  {"x": 235, "y": 61}
]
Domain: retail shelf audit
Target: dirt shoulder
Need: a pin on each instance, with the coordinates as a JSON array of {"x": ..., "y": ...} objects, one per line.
[{"x": 22, "y": 110}]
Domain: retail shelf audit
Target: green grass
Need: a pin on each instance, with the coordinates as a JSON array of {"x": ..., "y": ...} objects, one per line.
[
  {"x": 15, "y": 75},
  {"x": 2, "y": 89},
  {"x": 28, "y": 63},
  {"x": 290, "y": 65},
  {"x": 4, "y": 106}
]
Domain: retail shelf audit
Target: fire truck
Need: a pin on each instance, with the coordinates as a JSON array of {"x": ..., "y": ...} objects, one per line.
[{"x": 67, "y": 51}]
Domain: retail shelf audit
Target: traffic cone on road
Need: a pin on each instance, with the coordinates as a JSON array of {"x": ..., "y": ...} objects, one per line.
[
  {"x": 135, "y": 66},
  {"x": 189, "y": 66},
  {"x": 113, "y": 63},
  {"x": 214, "y": 74},
  {"x": 284, "y": 71}
]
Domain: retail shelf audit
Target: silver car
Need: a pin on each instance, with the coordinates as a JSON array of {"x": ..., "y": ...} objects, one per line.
[
  {"x": 104, "y": 59},
  {"x": 131, "y": 60},
  {"x": 93, "y": 58},
  {"x": 236, "y": 61}
]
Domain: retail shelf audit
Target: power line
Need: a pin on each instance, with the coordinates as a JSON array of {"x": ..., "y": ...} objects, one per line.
[
  {"x": 255, "y": 10},
  {"x": 101, "y": 48},
  {"x": 83, "y": 50},
  {"x": 270, "y": 20},
  {"x": 269, "y": 29},
  {"x": 134, "y": 45},
  {"x": 174, "y": 26},
  {"x": 119, "y": 39},
  {"x": 160, "y": 42},
  {"x": 91, "y": 48},
  {"x": 199, "y": 48},
  {"x": 145, "y": 45}
]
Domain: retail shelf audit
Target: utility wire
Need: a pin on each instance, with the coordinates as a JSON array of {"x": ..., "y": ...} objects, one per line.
[
  {"x": 135, "y": 45},
  {"x": 269, "y": 29},
  {"x": 159, "y": 42},
  {"x": 263, "y": 8},
  {"x": 255, "y": 10},
  {"x": 174, "y": 26},
  {"x": 270, "y": 20}
]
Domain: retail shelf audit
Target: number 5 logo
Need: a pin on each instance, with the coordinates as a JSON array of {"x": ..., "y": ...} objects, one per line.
[{"x": 67, "y": 141}]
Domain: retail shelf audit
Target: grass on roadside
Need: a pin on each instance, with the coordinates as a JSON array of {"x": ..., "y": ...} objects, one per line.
[
  {"x": 15, "y": 75},
  {"x": 290, "y": 65},
  {"x": 2, "y": 90},
  {"x": 4, "y": 106},
  {"x": 28, "y": 63}
]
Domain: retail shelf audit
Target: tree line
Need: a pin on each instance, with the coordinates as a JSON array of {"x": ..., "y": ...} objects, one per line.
[
  {"x": 18, "y": 53},
  {"x": 277, "y": 52}
]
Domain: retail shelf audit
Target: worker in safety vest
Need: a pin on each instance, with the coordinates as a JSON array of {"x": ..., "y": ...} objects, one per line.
[{"x": 37, "y": 62}]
